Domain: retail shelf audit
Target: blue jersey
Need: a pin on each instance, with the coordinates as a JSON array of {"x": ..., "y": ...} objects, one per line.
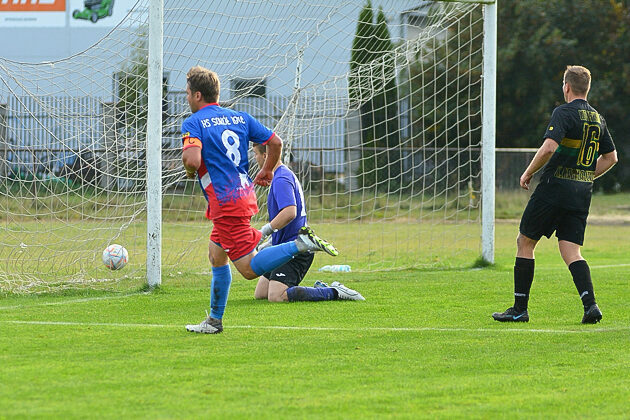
[
  {"x": 286, "y": 191},
  {"x": 224, "y": 136}
]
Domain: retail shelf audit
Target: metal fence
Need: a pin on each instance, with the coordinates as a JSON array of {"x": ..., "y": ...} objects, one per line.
[
  {"x": 510, "y": 164},
  {"x": 41, "y": 136}
]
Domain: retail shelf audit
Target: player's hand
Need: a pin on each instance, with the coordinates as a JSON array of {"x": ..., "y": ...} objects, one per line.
[
  {"x": 263, "y": 178},
  {"x": 264, "y": 243},
  {"x": 191, "y": 175},
  {"x": 525, "y": 180},
  {"x": 266, "y": 231}
]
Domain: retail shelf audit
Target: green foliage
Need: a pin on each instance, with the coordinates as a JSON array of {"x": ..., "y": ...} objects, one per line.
[
  {"x": 373, "y": 89},
  {"x": 132, "y": 85},
  {"x": 444, "y": 87},
  {"x": 132, "y": 89},
  {"x": 536, "y": 41},
  {"x": 362, "y": 52}
]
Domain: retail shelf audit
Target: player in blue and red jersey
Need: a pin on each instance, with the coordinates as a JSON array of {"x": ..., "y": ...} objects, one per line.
[
  {"x": 287, "y": 215},
  {"x": 215, "y": 143}
]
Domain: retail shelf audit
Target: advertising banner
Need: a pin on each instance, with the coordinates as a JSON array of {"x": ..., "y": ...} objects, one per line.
[
  {"x": 32, "y": 13},
  {"x": 73, "y": 13},
  {"x": 99, "y": 13}
]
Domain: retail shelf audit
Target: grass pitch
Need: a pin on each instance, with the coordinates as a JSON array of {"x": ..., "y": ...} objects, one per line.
[{"x": 422, "y": 345}]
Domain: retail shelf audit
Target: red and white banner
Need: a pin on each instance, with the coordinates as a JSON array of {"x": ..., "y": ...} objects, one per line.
[
  {"x": 32, "y": 5},
  {"x": 33, "y": 13}
]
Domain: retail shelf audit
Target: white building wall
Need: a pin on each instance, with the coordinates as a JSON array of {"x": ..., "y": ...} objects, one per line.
[{"x": 262, "y": 43}]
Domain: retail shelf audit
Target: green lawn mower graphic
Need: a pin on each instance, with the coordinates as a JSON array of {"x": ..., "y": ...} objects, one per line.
[{"x": 94, "y": 10}]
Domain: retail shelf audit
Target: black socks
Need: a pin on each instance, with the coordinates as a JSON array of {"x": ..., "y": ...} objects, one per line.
[
  {"x": 523, "y": 278},
  {"x": 582, "y": 279}
]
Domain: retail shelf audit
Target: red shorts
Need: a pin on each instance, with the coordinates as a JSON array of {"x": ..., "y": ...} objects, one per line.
[{"x": 235, "y": 235}]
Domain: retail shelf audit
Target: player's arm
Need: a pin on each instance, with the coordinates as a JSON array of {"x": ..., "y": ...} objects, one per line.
[
  {"x": 274, "y": 148},
  {"x": 282, "y": 193},
  {"x": 605, "y": 162},
  {"x": 541, "y": 158},
  {"x": 191, "y": 157},
  {"x": 283, "y": 218},
  {"x": 191, "y": 148}
]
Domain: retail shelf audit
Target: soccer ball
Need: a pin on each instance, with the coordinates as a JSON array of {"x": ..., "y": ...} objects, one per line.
[{"x": 115, "y": 257}]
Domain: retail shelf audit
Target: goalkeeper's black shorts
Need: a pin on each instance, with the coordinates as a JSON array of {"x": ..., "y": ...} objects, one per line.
[{"x": 292, "y": 272}]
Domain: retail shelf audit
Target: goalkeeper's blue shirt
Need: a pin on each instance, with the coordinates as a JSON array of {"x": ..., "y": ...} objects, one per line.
[
  {"x": 223, "y": 136},
  {"x": 286, "y": 191}
]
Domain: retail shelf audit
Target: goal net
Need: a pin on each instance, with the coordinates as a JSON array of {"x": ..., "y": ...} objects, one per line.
[{"x": 378, "y": 104}]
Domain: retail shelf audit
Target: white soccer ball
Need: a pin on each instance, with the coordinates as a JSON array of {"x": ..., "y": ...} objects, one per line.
[{"x": 115, "y": 257}]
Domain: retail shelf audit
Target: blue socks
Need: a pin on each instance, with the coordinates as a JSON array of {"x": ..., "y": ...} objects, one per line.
[
  {"x": 219, "y": 290},
  {"x": 310, "y": 294},
  {"x": 273, "y": 257}
]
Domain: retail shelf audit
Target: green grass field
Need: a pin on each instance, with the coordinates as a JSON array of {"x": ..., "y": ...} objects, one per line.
[{"x": 422, "y": 345}]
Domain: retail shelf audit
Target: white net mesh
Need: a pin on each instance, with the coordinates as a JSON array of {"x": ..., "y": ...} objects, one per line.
[{"x": 381, "y": 123}]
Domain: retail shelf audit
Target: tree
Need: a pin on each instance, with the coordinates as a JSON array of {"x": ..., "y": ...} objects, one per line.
[
  {"x": 132, "y": 92},
  {"x": 443, "y": 90},
  {"x": 361, "y": 53},
  {"x": 536, "y": 41},
  {"x": 132, "y": 85},
  {"x": 373, "y": 90},
  {"x": 385, "y": 108}
]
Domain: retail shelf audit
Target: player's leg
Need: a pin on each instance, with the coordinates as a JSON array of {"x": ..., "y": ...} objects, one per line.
[
  {"x": 524, "y": 265},
  {"x": 254, "y": 264},
  {"x": 283, "y": 282},
  {"x": 239, "y": 239},
  {"x": 288, "y": 277},
  {"x": 280, "y": 292},
  {"x": 221, "y": 281},
  {"x": 262, "y": 288},
  {"x": 277, "y": 292},
  {"x": 523, "y": 278},
  {"x": 525, "y": 246},
  {"x": 308, "y": 241},
  {"x": 539, "y": 218},
  {"x": 275, "y": 256},
  {"x": 570, "y": 239},
  {"x": 219, "y": 289},
  {"x": 341, "y": 292}
]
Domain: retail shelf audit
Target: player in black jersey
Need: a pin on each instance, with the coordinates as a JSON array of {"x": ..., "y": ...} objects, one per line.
[{"x": 577, "y": 149}]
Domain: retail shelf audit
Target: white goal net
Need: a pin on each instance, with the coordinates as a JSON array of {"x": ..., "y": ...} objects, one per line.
[{"x": 378, "y": 103}]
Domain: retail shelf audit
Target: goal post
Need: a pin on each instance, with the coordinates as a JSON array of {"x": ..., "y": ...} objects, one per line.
[
  {"x": 489, "y": 131},
  {"x": 154, "y": 144},
  {"x": 352, "y": 131},
  {"x": 386, "y": 109}
]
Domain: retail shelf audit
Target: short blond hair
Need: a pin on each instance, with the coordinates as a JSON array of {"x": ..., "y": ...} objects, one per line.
[
  {"x": 579, "y": 78},
  {"x": 206, "y": 81}
]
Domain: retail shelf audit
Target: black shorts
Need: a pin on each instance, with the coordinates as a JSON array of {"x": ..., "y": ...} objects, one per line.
[
  {"x": 542, "y": 218},
  {"x": 292, "y": 272}
]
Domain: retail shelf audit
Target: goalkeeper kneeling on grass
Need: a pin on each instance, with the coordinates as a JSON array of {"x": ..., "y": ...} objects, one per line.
[{"x": 287, "y": 214}]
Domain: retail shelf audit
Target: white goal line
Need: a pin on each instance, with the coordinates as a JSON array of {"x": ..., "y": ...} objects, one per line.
[{"x": 586, "y": 329}]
